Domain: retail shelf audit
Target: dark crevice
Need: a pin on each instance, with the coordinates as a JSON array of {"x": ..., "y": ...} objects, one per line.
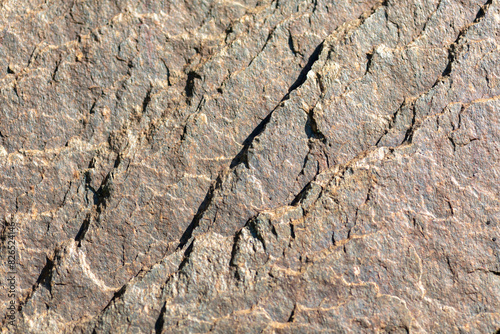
[
  {"x": 411, "y": 130},
  {"x": 311, "y": 128},
  {"x": 349, "y": 232},
  {"x": 452, "y": 50},
  {"x": 187, "y": 253},
  {"x": 237, "y": 275},
  {"x": 229, "y": 31},
  {"x": 369, "y": 57},
  {"x": 92, "y": 111},
  {"x": 118, "y": 294},
  {"x": 118, "y": 161},
  {"x": 185, "y": 128},
  {"x": 147, "y": 99},
  {"x": 291, "y": 46},
  {"x": 16, "y": 91},
  {"x": 303, "y": 74},
  {"x": 273, "y": 231},
  {"x": 482, "y": 11},
  {"x": 452, "y": 141},
  {"x": 264, "y": 46},
  {"x": 83, "y": 230},
  {"x": 199, "y": 214},
  {"x": 451, "y": 58},
  {"x": 89, "y": 187},
  {"x": 392, "y": 122},
  {"x": 32, "y": 56},
  {"x": 315, "y": 6},
  {"x": 54, "y": 73},
  {"x": 189, "y": 89},
  {"x": 242, "y": 156},
  {"x": 45, "y": 278},
  {"x": 160, "y": 321},
  {"x": 290, "y": 318},
  {"x": 301, "y": 194},
  {"x": 168, "y": 72},
  {"x": 460, "y": 117},
  {"x": 424, "y": 27},
  {"x": 450, "y": 267},
  {"x": 368, "y": 197},
  {"x": 184, "y": 132},
  {"x": 306, "y": 159},
  {"x": 103, "y": 193}
]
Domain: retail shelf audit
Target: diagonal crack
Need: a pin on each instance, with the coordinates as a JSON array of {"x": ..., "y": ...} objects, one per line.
[
  {"x": 160, "y": 321},
  {"x": 242, "y": 156},
  {"x": 200, "y": 212},
  {"x": 44, "y": 279},
  {"x": 392, "y": 122},
  {"x": 453, "y": 48}
]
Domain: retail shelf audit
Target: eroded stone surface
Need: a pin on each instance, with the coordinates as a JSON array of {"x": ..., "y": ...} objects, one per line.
[{"x": 257, "y": 166}]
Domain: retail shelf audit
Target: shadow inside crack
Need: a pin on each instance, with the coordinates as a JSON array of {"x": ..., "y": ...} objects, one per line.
[
  {"x": 199, "y": 213},
  {"x": 303, "y": 74},
  {"x": 242, "y": 156}
]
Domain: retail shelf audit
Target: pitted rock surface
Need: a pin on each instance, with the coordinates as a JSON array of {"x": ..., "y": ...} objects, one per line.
[{"x": 251, "y": 166}]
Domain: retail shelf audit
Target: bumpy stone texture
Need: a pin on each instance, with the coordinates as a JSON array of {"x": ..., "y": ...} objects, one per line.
[{"x": 252, "y": 166}]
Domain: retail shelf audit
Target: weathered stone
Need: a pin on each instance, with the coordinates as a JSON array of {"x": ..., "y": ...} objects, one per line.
[{"x": 257, "y": 166}]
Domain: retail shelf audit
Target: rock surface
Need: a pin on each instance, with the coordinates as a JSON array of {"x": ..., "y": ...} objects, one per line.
[{"x": 251, "y": 166}]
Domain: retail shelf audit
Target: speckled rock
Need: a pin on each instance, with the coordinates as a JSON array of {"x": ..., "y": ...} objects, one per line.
[{"x": 251, "y": 166}]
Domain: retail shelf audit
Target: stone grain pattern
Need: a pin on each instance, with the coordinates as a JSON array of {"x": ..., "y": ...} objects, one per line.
[{"x": 252, "y": 166}]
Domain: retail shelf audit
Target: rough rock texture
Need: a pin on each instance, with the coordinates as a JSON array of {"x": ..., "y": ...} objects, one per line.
[{"x": 252, "y": 166}]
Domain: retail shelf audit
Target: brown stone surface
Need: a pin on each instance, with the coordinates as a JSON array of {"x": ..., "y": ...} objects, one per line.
[{"x": 251, "y": 166}]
